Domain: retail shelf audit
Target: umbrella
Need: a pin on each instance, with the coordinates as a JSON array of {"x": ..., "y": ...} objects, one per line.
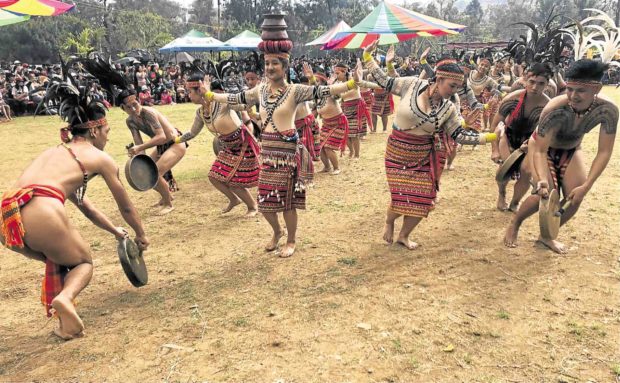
[
  {"x": 391, "y": 24},
  {"x": 244, "y": 41},
  {"x": 192, "y": 41},
  {"x": 39, "y": 7},
  {"x": 327, "y": 36},
  {"x": 8, "y": 18}
]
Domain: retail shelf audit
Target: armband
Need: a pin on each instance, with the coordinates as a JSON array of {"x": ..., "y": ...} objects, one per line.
[
  {"x": 367, "y": 57},
  {"x": 351, "y": 84},
  {"x": 208, "y": 96}
]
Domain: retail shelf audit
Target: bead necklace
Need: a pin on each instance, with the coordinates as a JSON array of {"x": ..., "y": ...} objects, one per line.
[{"x": 583, "y": 113}]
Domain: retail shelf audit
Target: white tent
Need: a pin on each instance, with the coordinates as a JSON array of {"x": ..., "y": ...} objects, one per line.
[
  {"x": 192, "y": 41},
  {"x": 327, "y": 36},
  {"x": 244, "y": 41}
]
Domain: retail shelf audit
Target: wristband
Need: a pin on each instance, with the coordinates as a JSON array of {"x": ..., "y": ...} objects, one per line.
[
  {"x": 351, "y": 84},
  {"x": 423, "y": 61},
  {"x": 390, "y": 66},
  {"x": 312, "y": 79},
  {"x": 463, "y": 124},
  {"x": 177, "y": 140},
  {"x": 490, "y": 137},
  {"x": 208, "y": 96},
  {"x": 485, "y": 106},
  {"x": 367, "y": 57}
]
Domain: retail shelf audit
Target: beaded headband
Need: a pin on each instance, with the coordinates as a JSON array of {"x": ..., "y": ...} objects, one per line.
[
  {"x": 446, "y": 61},
  {"x": 64, "y": 132},
  {"x": 285, "y": 56},
  {"x": 320, "y": 76},
  {"x": 586, "y": 83},
  {"x": 450, "y": 75}
]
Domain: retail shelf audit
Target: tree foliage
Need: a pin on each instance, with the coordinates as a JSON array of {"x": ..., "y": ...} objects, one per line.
[{"x": 150, "y": 24}]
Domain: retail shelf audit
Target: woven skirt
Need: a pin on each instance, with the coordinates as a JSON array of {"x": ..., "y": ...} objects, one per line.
[
  {"x": 335, "y": 132},
  {"x": 413, "y": 168},
  {"x": 286, "y": 171},
  {"x": 357, "y": 116},
  {"x": 383, "y": 105},
  {"x": 234, "y": 167}
]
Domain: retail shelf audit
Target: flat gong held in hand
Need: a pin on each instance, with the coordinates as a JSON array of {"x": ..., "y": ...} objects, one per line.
[{"x": 132, "y": 262}]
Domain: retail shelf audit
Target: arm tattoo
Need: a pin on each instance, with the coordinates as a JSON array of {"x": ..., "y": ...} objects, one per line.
[
  {"x": 151, "y": 120},
  {"x": 607, "y": 116},
  {"x": 303, "y": 93},
  {"x": 465, "y": 137}
]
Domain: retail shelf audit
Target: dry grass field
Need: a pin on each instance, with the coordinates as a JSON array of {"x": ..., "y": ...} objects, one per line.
[{"x": 346, "y": 307}]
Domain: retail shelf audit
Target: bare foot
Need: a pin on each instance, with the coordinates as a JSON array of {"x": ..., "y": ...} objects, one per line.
[
  {"x": 510, "y": 238},
  {"x": 326, "y": 170},
  {"x": 231, "y": 205},
  {"x": 71, "y": 325},
  {"x": 502, "y": 205},
  {"x": 450, "y": 167},
  {"x": 407, "y": 243},
  {"x": 167, "y": 209},
  {"x": 251, "y": 213},
  {"x": 388, "y": 233},
  {"x": 514, "y": 206},
  {"x": 158, "y": 204},
  {"x": 554, "y": 245},
  {"x": 273, "y": 244},
  {"x": 287, "y": 250},
  {"x": 335, "y": 172}
]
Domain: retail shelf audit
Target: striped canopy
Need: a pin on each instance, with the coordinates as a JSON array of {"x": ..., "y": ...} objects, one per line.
[
  {"x": 38, "y": 7},
  {"x": 391, "y": 24},
  {"x": 329, "y": 35},
  {"x": 8, "y": 18},
  {"x": 6, "y": 3}
]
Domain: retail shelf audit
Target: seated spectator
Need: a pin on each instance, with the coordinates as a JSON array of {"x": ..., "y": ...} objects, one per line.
[
  {"x": 5, "y": 110},
  {"x": 166, "y": 98},
  {"x": 20, "y": 97},
  {"x": 145, "y": 96}
]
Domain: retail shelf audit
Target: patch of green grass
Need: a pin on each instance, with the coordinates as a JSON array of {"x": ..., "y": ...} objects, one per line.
[
  {"x": 348, "y": 261},
  {"x": 398, "y": 346},
  {"x": 615, "y": 368},
  {"x": 575, "y": 328},
  {"x": 503, "y": 315},
  {"x": 241, "y": 322},
  {"x": 414, "y": 364}
]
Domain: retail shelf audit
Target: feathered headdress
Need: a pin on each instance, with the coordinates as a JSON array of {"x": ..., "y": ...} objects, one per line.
[
  {"x": 540, "y": 44},
  {"x": 606, "y": 39},
  {"x": 75, "y": 104}
]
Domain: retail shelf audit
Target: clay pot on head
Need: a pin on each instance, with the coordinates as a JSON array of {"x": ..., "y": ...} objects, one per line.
[{"x": 274, "y": 28}]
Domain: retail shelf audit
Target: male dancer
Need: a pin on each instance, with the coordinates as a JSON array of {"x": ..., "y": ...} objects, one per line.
[{"x": 554, "y": 151}]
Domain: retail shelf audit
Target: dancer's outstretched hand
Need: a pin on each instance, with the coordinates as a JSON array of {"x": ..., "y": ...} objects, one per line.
[
  {"x": 372, "y": 47},
  {"x": 391, "y": 53},
  {"x": 308, "y": 72},
  {"x": 358, "y": 72}
]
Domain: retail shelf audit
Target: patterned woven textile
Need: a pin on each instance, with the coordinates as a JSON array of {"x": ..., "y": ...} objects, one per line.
[
  {"x": 358, "y": 117},
  {"x": 383, "y": 105},
  {"x": 286, "y": 171},
  {"x": 558, "y": 160},
  {"x": 310, "y": 133},
  {"x": 413, "y": 167},
  {"x": 369, "y": 98},
  {"x": 161, "y": 149},
  {"x": 237, "y": 163},
  {"x": 13, "y": 233},
  {"x": 465, "y": 110},
  {"x": 335, "y": 132}
]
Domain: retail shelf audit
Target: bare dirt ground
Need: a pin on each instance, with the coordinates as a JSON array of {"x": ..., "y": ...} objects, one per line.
[{"x": 346, "y": 307}]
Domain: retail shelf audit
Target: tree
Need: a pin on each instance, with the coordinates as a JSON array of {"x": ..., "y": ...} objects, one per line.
[
  {"x": 202, "y": 11},
  {"x": 431, "y": 10},
  {"x": 139, "y": 30},
  {"x": 82, "y": 43},
  {"x": 474, "y": 11}
]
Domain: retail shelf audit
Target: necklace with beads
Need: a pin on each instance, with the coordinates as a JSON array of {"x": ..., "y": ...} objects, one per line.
[{"x": 583, "y": 113}]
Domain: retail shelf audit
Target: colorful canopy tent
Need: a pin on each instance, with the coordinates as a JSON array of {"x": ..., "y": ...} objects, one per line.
[
  {"x": 329, "y": 35},
  {"x": 8, "y": 18},
  {"x": 6, "y": 3},
  {"x": 244, "y": 41},
  {"x": 192, "y": 41},
  {"x": 39, "y": 7},
  {"x": 391, "y": 24}
]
